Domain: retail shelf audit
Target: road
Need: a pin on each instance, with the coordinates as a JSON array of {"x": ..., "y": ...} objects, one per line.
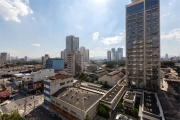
[{"x": 40, "y": 113}]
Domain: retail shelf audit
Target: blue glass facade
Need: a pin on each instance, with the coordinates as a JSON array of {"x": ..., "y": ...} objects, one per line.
[
  {"x": 143, "y": 44},
  {"x": 56, "y": 64}
]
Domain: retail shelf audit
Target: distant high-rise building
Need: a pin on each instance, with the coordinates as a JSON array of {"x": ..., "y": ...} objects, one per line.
[
  {"x": 75, "y": 63},
  {"x": 5, "y": 56},
  {"x": 87, "y": 55},
  {"x": 83, "y": 52},
  {"x": 65, "y": 55},
  {"x": 26, "y": 58},
  {"x": 72, "y": 44},
  {"x": 166, "y": 57},
  {"x": 108, "y": 55},
  {"x": 44, "y": 58},
  {"x": 62, "y": 54},
  {"x": 143, "y": 43},
  {"x": 113, "y": 54},
  {"x": 119, "y": 54}
]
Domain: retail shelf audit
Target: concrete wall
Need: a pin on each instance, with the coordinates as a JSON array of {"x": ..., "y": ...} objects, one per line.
[
  {"x": 55, "y": 84},
  {"x": 109, "y": 79},
  {"x": 41, "y": 75}
]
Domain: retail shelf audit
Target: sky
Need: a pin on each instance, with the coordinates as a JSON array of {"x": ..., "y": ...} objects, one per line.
[{"x": 34, "y": 28}]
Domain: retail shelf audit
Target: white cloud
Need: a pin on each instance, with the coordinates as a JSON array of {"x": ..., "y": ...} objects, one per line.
[
  {"x": 36, "y": 45},
  {"x": 10, "y": 10},
  {"x": 33, "y": 18},
  {"x": 174, "y": 34},
  {"x": 95, "y": 36},
  {"x": 112, "y": 40},
  {"x": 165, "y": 15}
]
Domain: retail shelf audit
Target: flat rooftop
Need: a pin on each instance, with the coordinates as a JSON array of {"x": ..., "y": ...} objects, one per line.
[
  {"x": 78, "y": 97},
  {"x": 112, "y": 93},
  {"x": 129, "y": 95},
  {"x": 59, "y": 76},
  {"x": 113, "y": 73},
  {"x": 150, "y": 103}
]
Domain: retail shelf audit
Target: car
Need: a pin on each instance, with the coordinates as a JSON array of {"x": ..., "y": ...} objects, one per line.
[
  {"x": 14, "y": 91},
  {"x": 52, "y": 114}
]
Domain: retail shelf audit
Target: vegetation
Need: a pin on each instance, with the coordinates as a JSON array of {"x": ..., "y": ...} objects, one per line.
[
  {"x": 83, "y": 77},
  {"x": 133, "y": 112},
  {"x": 27, "y": 63},
  {"x": 14, "y": 116},
  {"x": 87, "y": 118},
  {"x": 105, "y": 85},
  {"x": 170, "y": 64},
  {"x": 103, "y": 111},
  {"x": 166, "y": 64},
  {"x": 112, "y": 64}
]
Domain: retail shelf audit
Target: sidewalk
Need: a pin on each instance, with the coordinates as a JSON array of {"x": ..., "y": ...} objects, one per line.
[{"x": 51, "y": 110}]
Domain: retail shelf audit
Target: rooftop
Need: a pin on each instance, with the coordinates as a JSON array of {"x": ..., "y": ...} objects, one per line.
[
  {"x": 150, "y": 103},
  {"x": 112, "y": 93},
  {"x": 113, "y": 73},
  {"x": 78, "y": 97},
  {"x": 59, "y": 76},
  {"x": 129, "y": 95}
]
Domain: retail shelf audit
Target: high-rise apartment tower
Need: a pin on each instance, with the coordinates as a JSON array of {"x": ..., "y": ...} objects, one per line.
[{"x": 143, "y": 43}]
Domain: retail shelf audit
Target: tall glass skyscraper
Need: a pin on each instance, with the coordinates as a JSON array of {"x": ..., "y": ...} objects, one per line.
[{"x": 143, "y": 43}]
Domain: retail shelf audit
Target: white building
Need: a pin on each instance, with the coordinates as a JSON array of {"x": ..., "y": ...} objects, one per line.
[
  {"x": 111, "y": 78},
  {"x": 42, "y": 74},
  {"x": 53, "y": 83},
  {"x": 75, "y": 63},
  {"x": 166, "y": 57},
  {"x": 26, "y": 58}
]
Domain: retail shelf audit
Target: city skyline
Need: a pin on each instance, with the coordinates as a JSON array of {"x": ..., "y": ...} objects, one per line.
[{"x": 34, "y": 29}]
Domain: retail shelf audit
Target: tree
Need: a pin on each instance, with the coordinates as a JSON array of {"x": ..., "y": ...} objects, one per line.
[
  {"x": 134, "y": 111},
  {"x": 105, "y": 85},
  {"x": 87, "y": 118},
  {"x": 14, "y": 116},
  {"x": 120, "y": 106},
  {"x": 103, "y": 111}
]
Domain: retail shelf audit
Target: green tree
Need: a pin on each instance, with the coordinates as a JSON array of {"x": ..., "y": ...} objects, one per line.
[
  {"x": 14, "y": 116},
  {"x": 120, "y": 106},
  {"x": 103, "y": 111},
  {"x": 134, "y": 111},
  {"x": 87, "y": 118}
]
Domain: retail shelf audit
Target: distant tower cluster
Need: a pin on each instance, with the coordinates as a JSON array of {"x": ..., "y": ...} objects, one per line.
[
  {"x": 74, "y": 56},
  {"x": 115, "y": 55}
]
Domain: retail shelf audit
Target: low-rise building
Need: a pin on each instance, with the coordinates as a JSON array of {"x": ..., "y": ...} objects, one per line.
[
  {"x": 129, "y": 99},
  {"x": 170, "y": 72},
  {"x": 55, "y": 63},
  {"x": 112, "y": 78},
  {"x": 113, "y": 96},
  {"x": 53, "y": 83},
  {"x": 42, "y": 74},
  {"x": 76, "y": 103},
  {"x": 151, "y": 107}
]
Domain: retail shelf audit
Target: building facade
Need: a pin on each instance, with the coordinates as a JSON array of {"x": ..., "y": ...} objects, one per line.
[
  {"x": 53, "y": 83},
  {"x": 5, "y": 56},
  {"x": 1, "y": 62},
  {"x": 86, "y": 55},
  {"x": 108, "y": 55},
  {"x": 75, "y": 63},
  {"x": 119, "y": 54},
  {"x": 55, "y": 63},
  {"x": 44, "y": 58},
  {"x": 72, "y": 44},
  {"x": 113, "y": 54},
  {"x": 143, "y": 43}
]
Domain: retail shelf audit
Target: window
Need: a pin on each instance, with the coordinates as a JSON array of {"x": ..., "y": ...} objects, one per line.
[
  {"x": 52, "y": 101},
  {"x": 68, "y": 82},
  {"x": 62, "y": 83},
  {"x": 73, "y": 112},
  {"x": 65, "y": 108},
  {"x": 58, "y": 104}
]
